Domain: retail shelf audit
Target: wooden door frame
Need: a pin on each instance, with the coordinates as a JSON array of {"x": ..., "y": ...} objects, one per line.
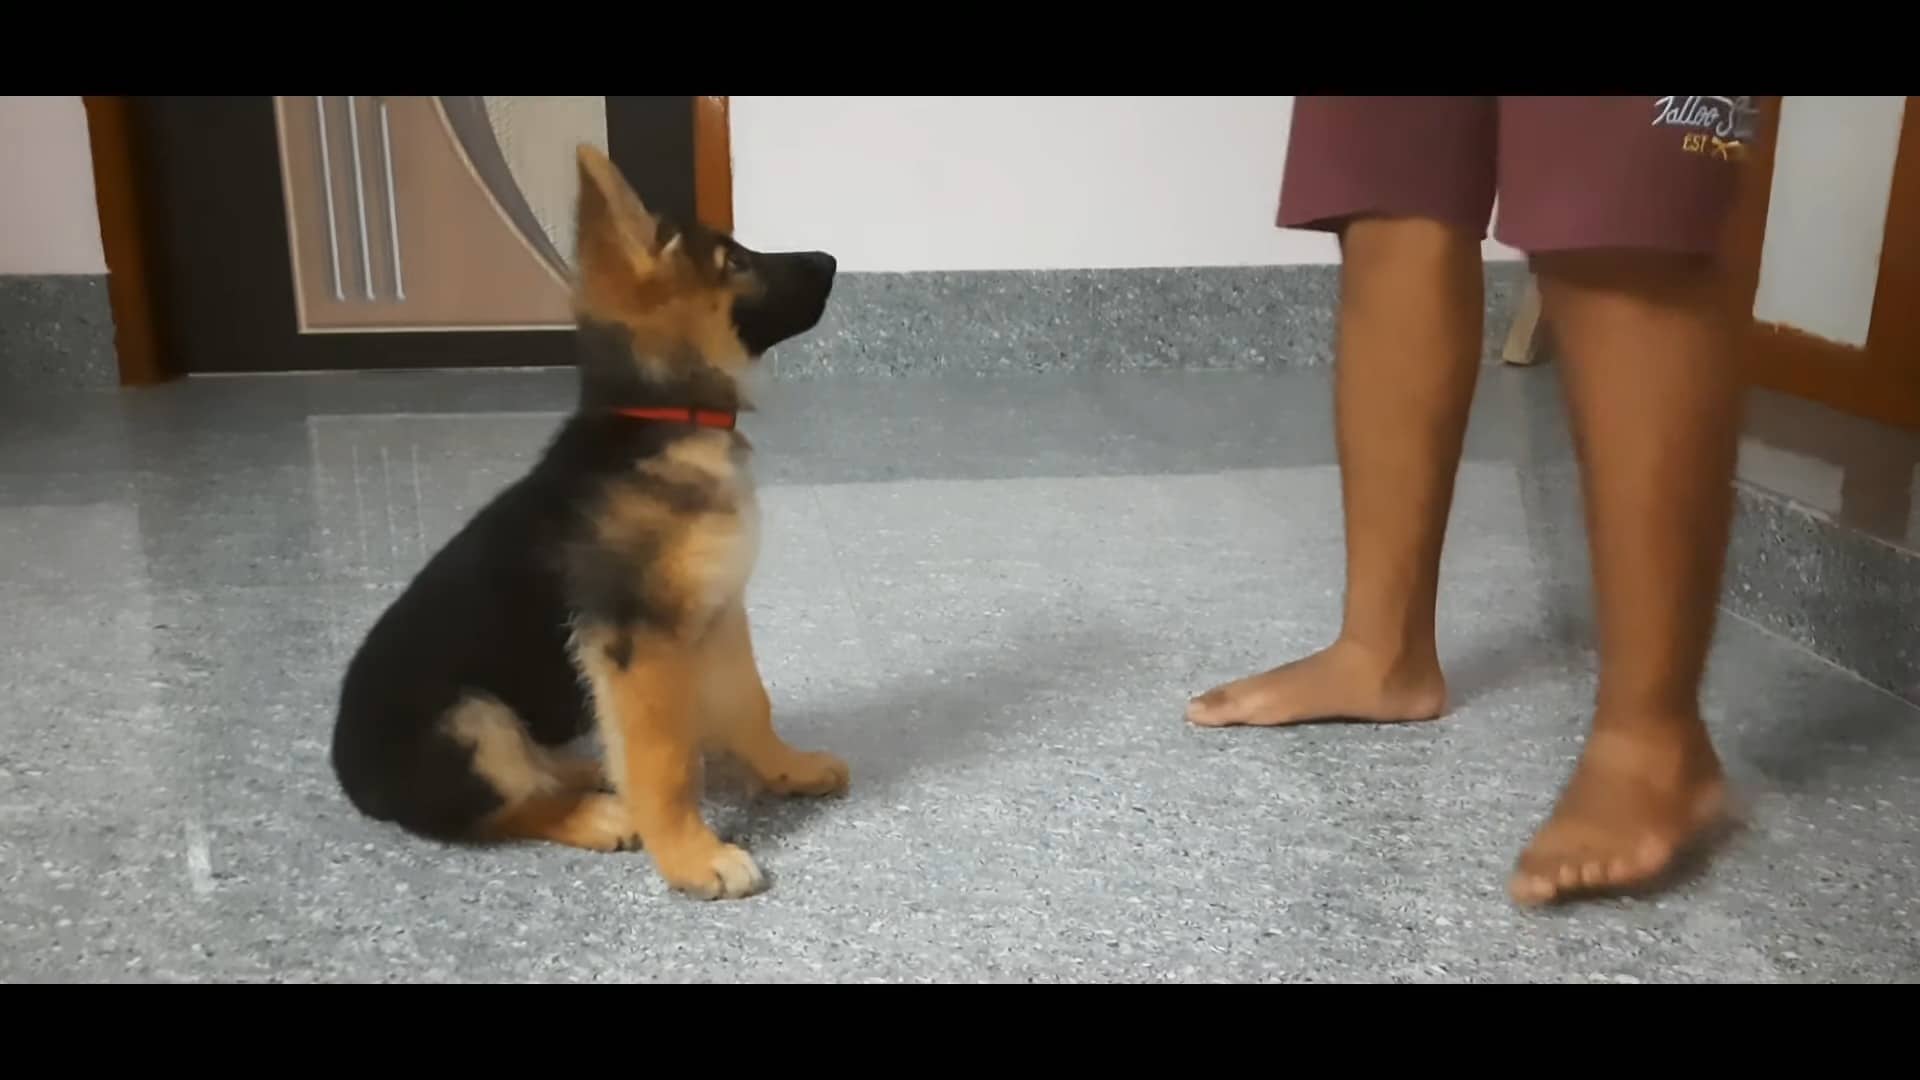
[
  {"x": 1871, "y": 381},
  {"x": 121, "y": 183},
  {"x": 713, "y": 162},
  {"x": 124, "y": 238}
]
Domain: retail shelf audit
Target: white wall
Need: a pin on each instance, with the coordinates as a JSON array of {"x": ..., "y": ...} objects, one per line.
[
  {"x": 49, "y": 222},
  {"x": 972, "y": 183},
  {"x": 887, "y": 183},
  {"x": 1832, "y": 175}
]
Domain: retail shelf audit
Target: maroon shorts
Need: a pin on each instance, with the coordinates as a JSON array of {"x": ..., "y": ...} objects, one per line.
[{"x": 1571, "y": 172}]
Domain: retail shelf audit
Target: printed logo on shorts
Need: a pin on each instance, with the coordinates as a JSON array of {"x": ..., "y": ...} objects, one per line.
[{"x": 1721, "y": 127}]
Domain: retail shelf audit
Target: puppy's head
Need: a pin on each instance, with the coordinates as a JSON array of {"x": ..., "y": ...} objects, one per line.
[{"x": 690, "y": 302}]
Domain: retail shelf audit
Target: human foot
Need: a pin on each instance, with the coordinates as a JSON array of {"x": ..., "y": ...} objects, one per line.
[
  {"x": 1640, "y": 796},
  {"x": 1341, "y": 682}
]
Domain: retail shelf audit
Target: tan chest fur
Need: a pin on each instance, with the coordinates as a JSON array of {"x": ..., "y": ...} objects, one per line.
[{"x": 693, "y": 532}]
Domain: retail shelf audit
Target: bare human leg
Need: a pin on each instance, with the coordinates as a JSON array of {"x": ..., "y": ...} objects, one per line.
[
  {"x": 1409, "y": 351},
  {"x": 1654, "y": 390}
]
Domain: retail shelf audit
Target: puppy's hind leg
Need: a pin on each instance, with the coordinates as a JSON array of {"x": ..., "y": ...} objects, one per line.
[
  {"x": 593, "y": 820},
  {"x": 543, "y": 795},
  {"x": 577, "y": 772}
]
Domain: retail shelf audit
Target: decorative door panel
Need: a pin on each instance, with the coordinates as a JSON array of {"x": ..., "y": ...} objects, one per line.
[
  {"x": 365, "y": 232},
  {"x": 406, "y": 213}
]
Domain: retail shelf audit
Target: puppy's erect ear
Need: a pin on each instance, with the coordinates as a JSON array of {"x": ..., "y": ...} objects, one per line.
[{"x": 616, "y": 239}]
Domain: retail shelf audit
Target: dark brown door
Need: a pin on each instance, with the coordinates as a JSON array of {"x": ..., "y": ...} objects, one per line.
[{"x": 343, "y": 233}]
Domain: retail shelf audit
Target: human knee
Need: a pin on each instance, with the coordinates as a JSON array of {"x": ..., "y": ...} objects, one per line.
[
  {"x": 1391, "y": 240},
  {"x": 1628, "y": 270},
  {"x": 1633, "y": 286}
]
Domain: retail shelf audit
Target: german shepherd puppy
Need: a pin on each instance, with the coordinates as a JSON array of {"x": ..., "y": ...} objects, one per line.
[{"x": 604, "y": 588}]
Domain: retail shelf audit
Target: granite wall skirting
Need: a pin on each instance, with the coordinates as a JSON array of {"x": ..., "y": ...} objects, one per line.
[
  {"x": 56, "y": 334},
  {"x": 1848, "y": 596},
  {"x": 1026, "y": 321}
]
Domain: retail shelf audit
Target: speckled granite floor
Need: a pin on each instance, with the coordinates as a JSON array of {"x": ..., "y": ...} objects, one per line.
[{"x": 992, "y": 597}]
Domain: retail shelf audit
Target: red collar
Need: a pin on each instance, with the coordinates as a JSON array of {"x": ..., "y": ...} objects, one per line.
[{"x": 713, "y": 418}]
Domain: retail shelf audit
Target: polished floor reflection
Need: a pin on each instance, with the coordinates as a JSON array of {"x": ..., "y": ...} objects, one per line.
[
  {"x": 992, "y": 597},
  {"x": 1862, "y": 474}
]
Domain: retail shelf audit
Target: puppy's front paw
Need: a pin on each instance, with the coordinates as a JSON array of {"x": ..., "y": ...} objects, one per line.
[
  {"x": 721, "y": 872},
  {"x": 808, "y": 773}
]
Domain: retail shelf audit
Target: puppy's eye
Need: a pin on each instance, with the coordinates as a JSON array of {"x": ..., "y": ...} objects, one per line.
[{"x": 736, "y": 263}]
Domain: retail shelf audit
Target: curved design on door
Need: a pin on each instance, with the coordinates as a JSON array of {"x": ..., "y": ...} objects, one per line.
[{"x": 429, "y": 213}]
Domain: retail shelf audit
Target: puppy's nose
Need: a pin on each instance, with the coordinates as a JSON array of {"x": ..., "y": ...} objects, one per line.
[{"x": 822, "y": 263}]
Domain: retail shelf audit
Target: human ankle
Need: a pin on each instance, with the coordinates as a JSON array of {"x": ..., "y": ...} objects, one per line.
[
  {"x": 1669, "y": 738},
  {"x": 1391, "y": 654},
  {"x": 1652, "y": 714}
]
